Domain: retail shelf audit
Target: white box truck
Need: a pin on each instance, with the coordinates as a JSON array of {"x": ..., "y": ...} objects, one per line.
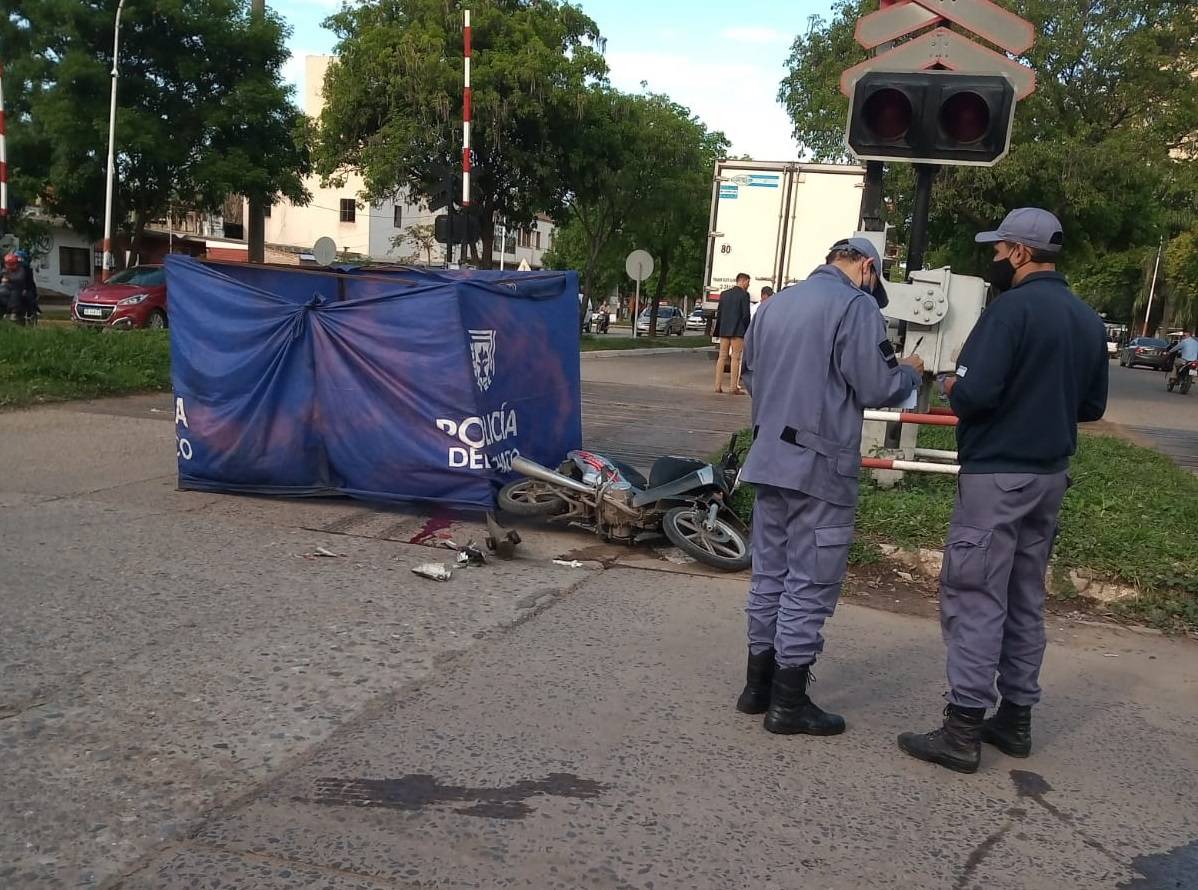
[{"x": 776, "y": 221}]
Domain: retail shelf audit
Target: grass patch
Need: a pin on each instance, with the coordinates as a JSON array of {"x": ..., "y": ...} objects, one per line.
[
  {"x": 1130, "y": 516},
  {"x": 54, "y": 363},
  {"x": 601, "y": 344}
]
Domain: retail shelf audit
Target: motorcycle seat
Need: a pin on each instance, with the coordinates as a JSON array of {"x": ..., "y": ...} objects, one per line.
[
  {"x": 632, "y": 474},
  {"x": 671, "y": 469}
]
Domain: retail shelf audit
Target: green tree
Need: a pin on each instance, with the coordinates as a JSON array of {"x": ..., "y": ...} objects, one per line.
[
  {"x": 394, "y": 99},
  {"x": 678, "y": 155},
  {"x": 423, "y": 236},
  {"x": 636, "y": 173},
  {"x": 1181, "y": 272},
  {"x": 572, "y": 250},
  {"x": 202, "y": 108},
  {"x": 602, "y": 175},
  {"x": 1097, "y": 142}
]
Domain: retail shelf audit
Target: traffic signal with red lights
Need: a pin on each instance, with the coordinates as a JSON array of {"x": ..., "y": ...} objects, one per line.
[{"x": 931, "y": 117}]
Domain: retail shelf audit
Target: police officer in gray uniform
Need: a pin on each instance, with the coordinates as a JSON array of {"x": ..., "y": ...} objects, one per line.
[
  {"x": 1033, "y": 367},
  {"x": 816, "y": 356}
]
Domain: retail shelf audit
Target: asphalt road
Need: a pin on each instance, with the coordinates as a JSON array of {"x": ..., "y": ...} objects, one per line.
[
  {"x": 191, "y": 695},
  {"x": 1168, "y": 421}
]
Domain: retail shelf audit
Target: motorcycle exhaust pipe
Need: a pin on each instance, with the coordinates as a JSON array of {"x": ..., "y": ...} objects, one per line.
[{"x": 534, "y": 470}]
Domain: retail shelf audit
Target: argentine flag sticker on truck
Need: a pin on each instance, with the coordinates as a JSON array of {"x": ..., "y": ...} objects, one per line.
[{"x": 765, "y": 181}]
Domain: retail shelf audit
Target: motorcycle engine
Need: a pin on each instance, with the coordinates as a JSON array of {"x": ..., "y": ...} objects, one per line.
[{"x": 617, "y": 515}]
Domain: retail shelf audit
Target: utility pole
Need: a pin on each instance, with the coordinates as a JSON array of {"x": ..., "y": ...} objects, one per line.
[
  {"x": 256, "y": 224},
  {"x": 1152, "y": 290},
  {"x": 106, "y": 271}
]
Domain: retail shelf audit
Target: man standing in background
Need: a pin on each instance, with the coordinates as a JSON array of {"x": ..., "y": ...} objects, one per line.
[{"x": 731, "y": 325}]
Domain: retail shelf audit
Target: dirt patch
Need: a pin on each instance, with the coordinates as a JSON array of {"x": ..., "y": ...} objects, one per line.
[
  {"x": 890, "y": 587},
  {"x": 607, "y": 555},
  {"x": 1118, "y": 431},
  {"x": 893, "y": 587}
]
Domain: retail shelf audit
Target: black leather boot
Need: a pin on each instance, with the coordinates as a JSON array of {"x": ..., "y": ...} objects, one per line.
[
  {"x": 792, "y": 712},
  {"x": 956, "y": 745},
  {"x": 1010, "y": 729},
  {"x": 759, "y": 677}
]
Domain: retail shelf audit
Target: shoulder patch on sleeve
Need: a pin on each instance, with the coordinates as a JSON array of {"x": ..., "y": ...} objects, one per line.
[{"x": 887, "y": 350}]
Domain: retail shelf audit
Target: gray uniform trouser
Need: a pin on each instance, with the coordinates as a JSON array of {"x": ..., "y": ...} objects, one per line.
[
  {"x": 800, "y": 552},
  {"x": 992, "y": 585}
]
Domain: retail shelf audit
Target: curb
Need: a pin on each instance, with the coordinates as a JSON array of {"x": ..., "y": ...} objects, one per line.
[{"x": 617, "y": 353}]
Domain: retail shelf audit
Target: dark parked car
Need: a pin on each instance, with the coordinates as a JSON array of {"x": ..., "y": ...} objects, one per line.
[{"x": 1148, "y": 352}]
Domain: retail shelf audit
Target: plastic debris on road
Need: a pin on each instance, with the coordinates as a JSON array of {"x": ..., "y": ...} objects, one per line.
[{"x": 434, "y": 571}]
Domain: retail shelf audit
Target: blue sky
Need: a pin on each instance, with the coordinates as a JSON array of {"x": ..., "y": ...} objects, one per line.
[{"x": 721, "y": 59}]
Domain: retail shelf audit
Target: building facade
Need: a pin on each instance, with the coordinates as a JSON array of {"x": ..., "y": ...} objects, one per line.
[{"x": 389, "y": 231}]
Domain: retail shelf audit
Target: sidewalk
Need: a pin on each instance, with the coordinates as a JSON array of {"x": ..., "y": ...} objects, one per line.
[{"x": 598, "y": 747}]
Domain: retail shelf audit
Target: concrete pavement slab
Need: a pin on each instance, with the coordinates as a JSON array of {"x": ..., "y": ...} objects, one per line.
[
  {"x": 198, "y": 869},
  {"x": 151, "y": 669},
  {"x": 58, "y": 452},
  {"x": 598, "y": 746}
]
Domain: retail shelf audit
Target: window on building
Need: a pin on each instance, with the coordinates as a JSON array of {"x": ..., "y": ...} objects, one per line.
[
  {"x": 75, "y": 261},
  {"x": 266, "y": 210},
  {"x": 398, "y": 219},
  {"x": 538, "y": 234},
  {"x": 349, "y": 210},
  {"x": 525, "y": 238}
]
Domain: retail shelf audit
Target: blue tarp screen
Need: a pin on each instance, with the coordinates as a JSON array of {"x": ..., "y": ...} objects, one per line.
[{"x": 382, "y": 384}]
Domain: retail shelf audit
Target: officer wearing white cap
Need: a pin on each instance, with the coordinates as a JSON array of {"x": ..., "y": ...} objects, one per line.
[
  {"x": 1033, "y": 367},
  {"x": 815, "y": 357}
]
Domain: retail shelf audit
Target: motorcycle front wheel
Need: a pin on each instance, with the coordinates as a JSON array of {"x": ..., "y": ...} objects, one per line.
[
  {"x": 530, "y": 497},
  {"x": 723, "y": 547}
]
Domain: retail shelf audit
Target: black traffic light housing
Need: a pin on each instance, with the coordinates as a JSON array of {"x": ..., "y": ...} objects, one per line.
[
  {"x": 459, "y": 228},
  {"x": 933, "y": 117},
  {"x": 447, "y": 193}
]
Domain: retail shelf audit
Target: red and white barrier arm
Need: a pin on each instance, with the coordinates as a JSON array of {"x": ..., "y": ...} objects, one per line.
[
  {"x": 912, "y": 417},
  {"x": 935, "y": 454},
  {"x": 914, "y": 466}
]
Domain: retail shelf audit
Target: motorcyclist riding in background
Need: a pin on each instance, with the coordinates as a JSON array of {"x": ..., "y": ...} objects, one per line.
[
  {"x": 27, "y": 309},
  {"x": 13, "y": 283},
  {"x": 1183, "y": 351}
]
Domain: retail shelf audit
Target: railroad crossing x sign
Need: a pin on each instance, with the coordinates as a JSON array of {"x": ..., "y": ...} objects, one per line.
[{"x": 942, "y": 48}]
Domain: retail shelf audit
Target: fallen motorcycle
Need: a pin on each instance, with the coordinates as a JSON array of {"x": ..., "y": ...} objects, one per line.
[{"x": 687, "y": 500}]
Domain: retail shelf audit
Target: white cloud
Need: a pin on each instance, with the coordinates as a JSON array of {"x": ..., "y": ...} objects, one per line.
[
  {"x": 293, "y": 71},
  {"x": 739, "y": 98},
  {"x": 754, "y": 34}
]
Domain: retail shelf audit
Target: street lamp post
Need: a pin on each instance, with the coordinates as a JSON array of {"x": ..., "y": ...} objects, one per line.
[{"x": 106, "y": 271}]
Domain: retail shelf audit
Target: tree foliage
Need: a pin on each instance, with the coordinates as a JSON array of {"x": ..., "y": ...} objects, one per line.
[
  {"x": 202, "y": 108},
  {"x": 1097, "y": 142},
  {"x": 671, "y": 218},
  {"x": 636, "y": 173},
  {"x": 1181, "y": 265},
  {"x": 394, "y": 99}
]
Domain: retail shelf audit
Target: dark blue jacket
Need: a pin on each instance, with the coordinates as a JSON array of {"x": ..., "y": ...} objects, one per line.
[{"x": 1034, "y": 366}]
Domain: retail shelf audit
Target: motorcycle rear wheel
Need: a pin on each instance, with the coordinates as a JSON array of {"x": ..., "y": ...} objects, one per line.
[
  {"x": 1186, "y": 382},
  {"x": 725, "y": 547},
  {"x": 530, "y": 497}
]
